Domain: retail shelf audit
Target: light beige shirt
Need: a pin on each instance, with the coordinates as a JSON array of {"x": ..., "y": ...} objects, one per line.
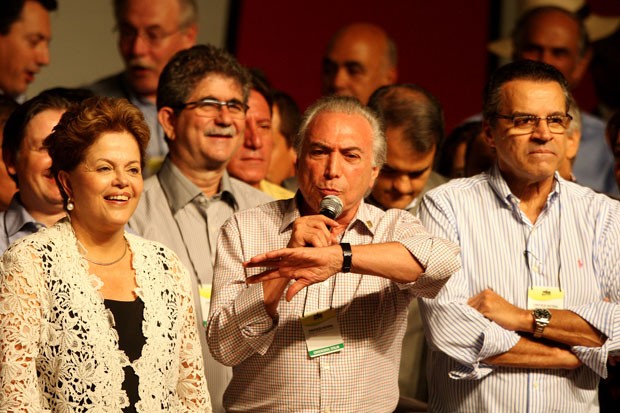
[{"x": 272, "y": 369}]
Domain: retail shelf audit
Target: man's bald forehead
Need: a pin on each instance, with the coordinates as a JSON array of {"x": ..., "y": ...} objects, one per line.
[
  {"x": 549, "y": 15},
  {"x": 368, "y": 33}
]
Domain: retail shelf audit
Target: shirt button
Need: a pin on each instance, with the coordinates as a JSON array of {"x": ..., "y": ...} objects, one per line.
[
  {"x": 536, "y": 385},
  {"x": 326, "y": 366},
  {"x": 327, "y": 410}
]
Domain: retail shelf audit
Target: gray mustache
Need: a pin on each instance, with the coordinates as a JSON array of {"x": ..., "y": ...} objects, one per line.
[{"x": 229, "y": 131}]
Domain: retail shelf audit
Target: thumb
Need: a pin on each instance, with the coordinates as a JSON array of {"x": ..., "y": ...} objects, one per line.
[{"x": 295, "y": 288}]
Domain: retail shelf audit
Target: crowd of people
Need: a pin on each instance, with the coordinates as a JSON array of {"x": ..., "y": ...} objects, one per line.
[{"x": 181, "y": 237}]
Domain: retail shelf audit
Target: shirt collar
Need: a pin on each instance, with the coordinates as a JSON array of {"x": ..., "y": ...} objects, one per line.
[
  {"x": 17, "y": 218},
  {"x": 363, "y": 218},
  {"x": 180, "y": 191},
  {"x": 133, "y": 97},
  {"x": 503, "y": 192},
  {"x": 18, "y": 99}
]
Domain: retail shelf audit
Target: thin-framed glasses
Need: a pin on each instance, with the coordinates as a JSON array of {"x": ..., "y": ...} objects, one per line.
[
  {"x": 153, "y": 36},
  {"x": 527, "y": 123},
  {"x": 210, "y": 107}
]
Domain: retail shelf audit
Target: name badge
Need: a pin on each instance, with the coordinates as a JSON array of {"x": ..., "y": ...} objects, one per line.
[
  {"x": 322, "y": 333},
  {"x": 205, "y": 302},
  {"x": 545, "y": 297}
]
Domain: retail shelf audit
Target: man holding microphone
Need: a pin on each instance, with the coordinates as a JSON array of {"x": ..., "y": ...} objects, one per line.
[{"x": 310, "y": 311}]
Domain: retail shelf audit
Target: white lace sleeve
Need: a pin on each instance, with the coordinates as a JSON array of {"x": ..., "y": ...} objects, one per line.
[
  {"x": 192, "y": 387},
  {"x": 20, "y": 329}
]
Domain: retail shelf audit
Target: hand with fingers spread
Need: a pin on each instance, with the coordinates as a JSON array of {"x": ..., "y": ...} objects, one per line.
[
  {"x": 311, "y": 230},
  {"x": 306, "y": 266}
]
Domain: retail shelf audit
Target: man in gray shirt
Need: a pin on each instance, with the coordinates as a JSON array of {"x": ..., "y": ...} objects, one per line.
[{"x": 202, "y": 102}]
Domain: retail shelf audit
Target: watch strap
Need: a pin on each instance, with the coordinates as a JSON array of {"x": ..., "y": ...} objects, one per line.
[
  {"x": 539, "y": 327},
  {"x": 347, "y": 256}
]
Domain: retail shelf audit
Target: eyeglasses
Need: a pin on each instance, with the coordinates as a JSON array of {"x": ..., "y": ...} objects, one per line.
[
  {"x": 154, "y": 37},
  {"x": 527, "y": 123},
  {"x": 210, "y": 108}
]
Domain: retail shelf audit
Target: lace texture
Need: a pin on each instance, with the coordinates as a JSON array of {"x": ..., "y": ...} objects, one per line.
[{"x": 58, "y": 348}]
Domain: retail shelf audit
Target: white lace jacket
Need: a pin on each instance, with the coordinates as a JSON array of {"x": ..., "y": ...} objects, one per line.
[{"x": 58, "y": 350}]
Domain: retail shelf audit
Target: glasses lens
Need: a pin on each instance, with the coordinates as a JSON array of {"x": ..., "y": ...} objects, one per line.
[
  {"x": 556, "y": 124},
  {"x": 524, "y": 122},
  {"x": 235, "y": 107},
  {"x": 211, "y": 108},
  {"x": 527, "y": 123},
  {"x": 154, "y": 37}
]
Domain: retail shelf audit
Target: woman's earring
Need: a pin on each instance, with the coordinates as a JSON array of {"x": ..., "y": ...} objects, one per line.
[{"x": 70, "y": 205}]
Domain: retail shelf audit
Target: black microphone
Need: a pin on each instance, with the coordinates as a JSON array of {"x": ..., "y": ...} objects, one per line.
[{"x": 331, "y": 207}]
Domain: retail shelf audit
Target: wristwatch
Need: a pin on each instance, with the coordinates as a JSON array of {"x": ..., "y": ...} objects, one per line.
[
  {"x": 347, "y": 256},
  {"x": 542, "y": 316}
]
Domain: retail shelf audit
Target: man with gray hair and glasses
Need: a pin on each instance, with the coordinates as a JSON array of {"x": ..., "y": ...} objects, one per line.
[
  {"x": 529, "y": 322},
  {"x": 150, "y": 32},
  {"x": 556, "y": 36}
]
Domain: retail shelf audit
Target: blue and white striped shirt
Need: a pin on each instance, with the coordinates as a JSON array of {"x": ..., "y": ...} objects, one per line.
[{"x": 573, "y": 244}]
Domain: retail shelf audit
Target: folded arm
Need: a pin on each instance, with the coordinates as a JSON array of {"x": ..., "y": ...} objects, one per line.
[
  {"x": 565, "y": 327},
  {"x": 528, "y": 353}
]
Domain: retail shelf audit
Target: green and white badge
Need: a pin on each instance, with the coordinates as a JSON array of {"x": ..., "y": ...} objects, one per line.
[{"x": 322, "y": 332}]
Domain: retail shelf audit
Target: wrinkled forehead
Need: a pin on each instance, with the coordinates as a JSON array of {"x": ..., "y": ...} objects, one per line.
[
  {"x": 532, "y": 97},
  {"x": 338, "y": 130}
]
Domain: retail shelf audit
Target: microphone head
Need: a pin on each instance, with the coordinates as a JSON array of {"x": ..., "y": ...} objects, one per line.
[{"x": 331, "y": 206}]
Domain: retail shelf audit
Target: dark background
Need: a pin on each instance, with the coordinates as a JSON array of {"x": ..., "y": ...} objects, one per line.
[{"x": 441, "y": 44}]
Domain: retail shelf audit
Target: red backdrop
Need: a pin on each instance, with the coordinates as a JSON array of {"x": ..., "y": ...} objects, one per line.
[{"x": 442, "y": 45}]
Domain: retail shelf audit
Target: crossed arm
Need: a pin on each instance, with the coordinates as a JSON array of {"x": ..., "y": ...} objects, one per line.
[
  {"x": 565, "y": 330},
  {"x": 487, "y": 329}
]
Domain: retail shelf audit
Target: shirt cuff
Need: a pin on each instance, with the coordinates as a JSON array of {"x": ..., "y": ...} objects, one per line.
[
  {"x": 438, "y": 257},
  {"x": 255, "y": 325},
  {"x": 494, "y": 340},
  {"x": 605, "y": 317},
  {"x": 593, "y": 357}
]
